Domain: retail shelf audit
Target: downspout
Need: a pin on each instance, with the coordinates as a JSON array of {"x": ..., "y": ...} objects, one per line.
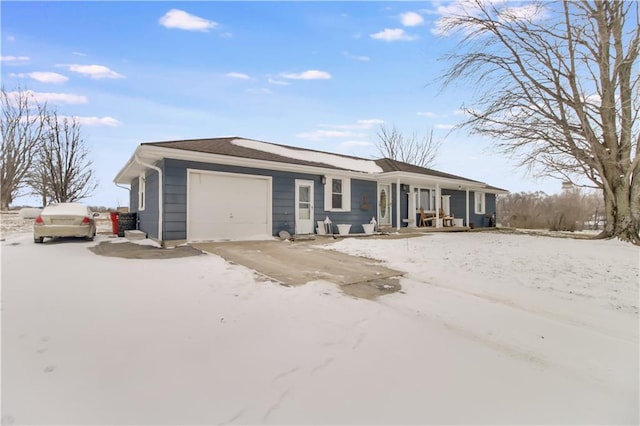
[
  {"x": 159, "y": 170},
  {"x": 398, "y": 204}
]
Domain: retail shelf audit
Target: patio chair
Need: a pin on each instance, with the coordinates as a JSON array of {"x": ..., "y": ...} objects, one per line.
[
  {"x": 424, "y": 218},
  {"x": 445, "y": 218}
]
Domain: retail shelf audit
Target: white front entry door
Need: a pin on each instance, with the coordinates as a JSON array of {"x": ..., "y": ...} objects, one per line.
[
  {"x": 304, "y": 206},
  {"x": 384, "y": 204}
]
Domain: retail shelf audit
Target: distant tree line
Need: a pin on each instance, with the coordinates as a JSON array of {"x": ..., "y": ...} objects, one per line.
[
  {"x": 572, "y": 210},
  {"x": 43, "y": 153}
]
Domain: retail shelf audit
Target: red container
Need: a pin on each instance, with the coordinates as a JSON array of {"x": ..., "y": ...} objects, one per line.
[{"x": 114, "y": 222}]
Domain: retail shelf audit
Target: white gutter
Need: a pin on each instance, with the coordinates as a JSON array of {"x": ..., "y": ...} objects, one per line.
[
  {"x": 123, "y": 187},
  {"x": 159, "y": 170}
]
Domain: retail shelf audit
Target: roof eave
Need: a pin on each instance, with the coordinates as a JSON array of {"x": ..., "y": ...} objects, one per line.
[{"x": 152, "y": 153}]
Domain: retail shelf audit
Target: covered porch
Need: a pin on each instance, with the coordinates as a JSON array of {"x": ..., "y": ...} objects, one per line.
[{"x": 413, "y": 201}]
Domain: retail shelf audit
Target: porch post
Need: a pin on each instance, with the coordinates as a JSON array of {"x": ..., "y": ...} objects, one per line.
[
  {"x": 467, "y": 205},
  {"x": 398, "y": 219},
  {"x": 411, "y": 209},
  {"x": 438, "y": 195}
]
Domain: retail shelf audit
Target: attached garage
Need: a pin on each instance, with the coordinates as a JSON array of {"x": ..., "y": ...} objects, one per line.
[{"x": 228, "y": 206}]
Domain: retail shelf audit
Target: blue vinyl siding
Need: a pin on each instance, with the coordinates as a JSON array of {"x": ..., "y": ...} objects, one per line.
[
  {"x": 283, "y": 197},
  {"x": 363, "y": 200},
  {"x": 147, "y": 218},
  {"x": 482, "y": 220},
  {"x": 363, "y": 206},
  {"x": 457, "y": 206},
  {"x": 404, "y": 205}
]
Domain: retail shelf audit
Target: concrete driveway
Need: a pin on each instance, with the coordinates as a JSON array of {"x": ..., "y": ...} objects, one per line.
[{"x": 296, "y": 263}]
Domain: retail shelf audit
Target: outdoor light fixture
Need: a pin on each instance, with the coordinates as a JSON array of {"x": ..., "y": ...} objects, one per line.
[{"x": 323, "y": 179}]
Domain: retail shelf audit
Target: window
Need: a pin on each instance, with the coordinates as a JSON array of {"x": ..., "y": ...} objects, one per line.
[
  {"x": 142, "y": 188},
  {"x": 337, "y": 194},
  {"x": 479, "y": 202},
  {"x": 426, "y": 198}
]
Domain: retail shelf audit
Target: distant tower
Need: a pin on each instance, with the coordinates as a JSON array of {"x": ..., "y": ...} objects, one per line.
[{"x": 567, "y": 186}]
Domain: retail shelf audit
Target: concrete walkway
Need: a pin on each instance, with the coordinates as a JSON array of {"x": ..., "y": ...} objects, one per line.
[{"x": 296, "y": 263}]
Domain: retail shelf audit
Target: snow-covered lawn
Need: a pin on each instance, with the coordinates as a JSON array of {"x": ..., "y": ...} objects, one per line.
[{"x": 489, "y": 328}]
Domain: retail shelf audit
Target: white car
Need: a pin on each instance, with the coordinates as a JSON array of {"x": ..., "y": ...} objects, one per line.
[{"x": 64, "y": 220}]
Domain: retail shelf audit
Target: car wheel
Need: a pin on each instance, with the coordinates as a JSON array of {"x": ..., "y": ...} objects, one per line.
[
  {"x": 90, "y": 238},
  {"x": 39, "y": 240}
]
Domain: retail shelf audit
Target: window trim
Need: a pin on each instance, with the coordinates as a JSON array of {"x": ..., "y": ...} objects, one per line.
[
  {"x": 346, "y": 194},
  {"x": 483, "y": 200},
  {"x": 142, "y": 192},
  {"x": 431, "y": 198}
]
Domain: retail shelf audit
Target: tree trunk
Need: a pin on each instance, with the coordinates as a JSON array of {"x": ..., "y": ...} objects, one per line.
[
  {"x": 4, "y": 203},
  {"x": 622, "y": 219}
]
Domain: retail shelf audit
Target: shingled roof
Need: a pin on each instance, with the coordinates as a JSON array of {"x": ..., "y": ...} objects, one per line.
[{"x": 224, "y": 146}]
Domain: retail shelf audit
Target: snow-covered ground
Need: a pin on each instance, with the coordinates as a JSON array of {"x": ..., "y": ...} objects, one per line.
[{"x": 489, "y": 328}]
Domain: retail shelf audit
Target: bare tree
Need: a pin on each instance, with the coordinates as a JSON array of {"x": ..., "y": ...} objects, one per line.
[
  {"x": 414, "y": 149},
  {"x": 557, "y": 86},
  {"x": 64, "y": 169},
  {"x": 38, "y": 181},
  {"x": 22, "y": 125}
]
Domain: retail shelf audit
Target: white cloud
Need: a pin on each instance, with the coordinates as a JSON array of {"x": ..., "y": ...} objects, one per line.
[
  {"x": 444, "y": 126},
  {"x": 308, "y": 75},
  {"x": 238, "y": 75},
  {"x": 428, "y": 114},
  {"x": 530, "y": 12},
  {"x": 370, "y": 122},
  {"x": 354, "y": 144},
  {"x": 78, "y": 53},
  {"x": 176, "y": 18},
  {"x": 56, "y": 98},
  {"x": 96, "y": 72},
  {"x": 396, "y": 34},
  {"x": 356, "y": 57},
  {"x": 359, "y": 124},
  {"x": 259, "y": 90},
  {"x": 321, "y": 134},
  {"x": 472, "y": 8},
  {"x": 98, "y": 121},
  {"x": 11, "y": 38},
  {"x": 277, "y": 82},
  {"x": 14, "y": 58},
  {"x": 411, "y": 19},
  {"x": 43, "y": 77}
]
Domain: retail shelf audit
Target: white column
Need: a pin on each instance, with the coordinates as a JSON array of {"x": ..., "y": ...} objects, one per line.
[
  {"x": 467, "y": 205},
  {"x": 438, "y": 192},
  {"x": 398, "y": 218},
  {"x": 411, "y": 208}
]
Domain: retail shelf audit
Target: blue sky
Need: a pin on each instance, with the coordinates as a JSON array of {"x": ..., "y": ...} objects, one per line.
[{"x": 321, "y": 75}]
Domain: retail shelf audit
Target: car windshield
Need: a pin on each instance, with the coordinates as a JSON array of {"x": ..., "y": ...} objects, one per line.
[{"x": 71, "y": 209}]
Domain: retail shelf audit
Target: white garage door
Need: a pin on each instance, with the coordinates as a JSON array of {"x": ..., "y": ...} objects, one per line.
[{"x": 228, "y": 206}]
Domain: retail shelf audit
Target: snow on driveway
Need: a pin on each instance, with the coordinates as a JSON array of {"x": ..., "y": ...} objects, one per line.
[{"x": 489, "y": 328}]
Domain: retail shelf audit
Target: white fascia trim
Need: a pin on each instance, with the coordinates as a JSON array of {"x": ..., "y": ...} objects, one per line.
[
  {"x": 118, "y": 179},
  {"x": 475, "y": 186}
]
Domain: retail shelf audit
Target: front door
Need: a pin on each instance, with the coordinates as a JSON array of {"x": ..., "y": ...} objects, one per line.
[
  {"x": 384, "y": 204},
  {"x": 304, "y": 206}
]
